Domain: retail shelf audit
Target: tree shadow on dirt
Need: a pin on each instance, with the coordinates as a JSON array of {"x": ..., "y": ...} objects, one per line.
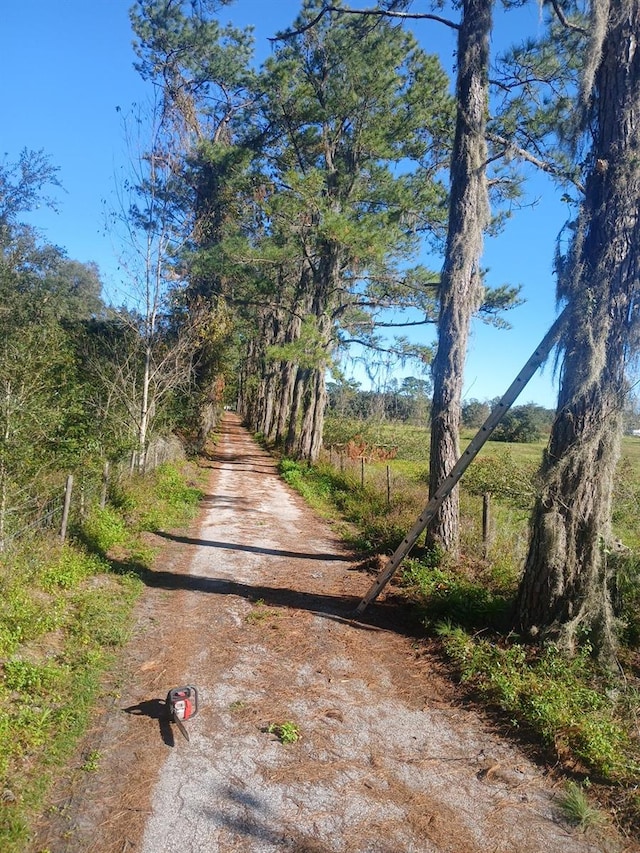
[
  {"x": 253, "y": 824},
  {"x": 387, "y": 615},
  {"x": 257, "y": 823},
  {"x": 254, "y": 549}
]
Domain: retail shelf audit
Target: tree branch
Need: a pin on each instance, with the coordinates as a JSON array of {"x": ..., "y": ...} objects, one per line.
[
  {"x": 563, "y": 18},
  {"x": 368, "y": 12},
  {"x": 544, "y": 165}
]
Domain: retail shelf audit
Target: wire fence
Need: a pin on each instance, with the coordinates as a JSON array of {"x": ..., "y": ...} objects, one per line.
[
  {"x": 55, "y": 502},
  {"x": 367, "y": 467}
]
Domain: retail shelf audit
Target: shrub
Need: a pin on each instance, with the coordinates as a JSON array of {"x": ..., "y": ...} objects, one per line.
[
  {"x": 518, "y": 425},
  {"x": 504, "y": 477},
  {"x": 104, "y": 529}
]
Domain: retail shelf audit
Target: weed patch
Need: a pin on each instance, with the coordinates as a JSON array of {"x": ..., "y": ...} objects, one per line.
[
  {"x": 442, "y": 594},
  {"x": 566, "y": 702},
  {"x": 104, "y": 529},
  {"x": 286, "y": 732}
]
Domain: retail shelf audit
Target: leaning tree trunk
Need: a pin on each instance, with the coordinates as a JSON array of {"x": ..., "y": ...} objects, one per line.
[
  {"x": 565, "y": 588},
  {"x": 460, "y": 289}
]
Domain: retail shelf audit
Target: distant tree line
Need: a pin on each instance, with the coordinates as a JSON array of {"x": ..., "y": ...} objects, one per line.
[
  {"x": 526, "y": 423},
  {"x": 406, "y": 400},
  {"x": 409, "y": 401}
]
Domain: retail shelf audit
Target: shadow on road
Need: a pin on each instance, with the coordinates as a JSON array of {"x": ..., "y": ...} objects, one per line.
[
  {"x": 254, "y": 549},
  {"x": 384, "y": 616}
]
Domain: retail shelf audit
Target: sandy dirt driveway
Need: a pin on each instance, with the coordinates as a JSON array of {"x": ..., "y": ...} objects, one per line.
[{"x": 254, "y": 607}]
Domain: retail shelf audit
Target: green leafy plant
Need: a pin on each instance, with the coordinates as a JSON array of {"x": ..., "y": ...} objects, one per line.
[
  {"x": 564, "y": 700},
  {"x": 92, "y": 761},
  {"x": 104, "y": 529},
  {"x": 69, "y": 567},
  {"x": 443, "y": 594},
  {"x": 286, "y": 732}
]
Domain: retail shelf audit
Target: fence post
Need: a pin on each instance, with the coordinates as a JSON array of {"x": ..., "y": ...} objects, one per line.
[
  {"x": 388, "y": 485},
  {"x": 105, "y": 484},
  {"x": 67, "y": 505},
  {"x": 486, "y": 523},
  {"x": 362, "y": 472}
]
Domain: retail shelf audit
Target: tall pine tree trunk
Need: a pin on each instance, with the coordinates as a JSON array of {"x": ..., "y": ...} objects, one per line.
[
  {"x": 315, "y": 400},
  {"x": 565, "y": 588},
  {"x": 294, "y": 415},
  {"x": 460, "y": 289}
]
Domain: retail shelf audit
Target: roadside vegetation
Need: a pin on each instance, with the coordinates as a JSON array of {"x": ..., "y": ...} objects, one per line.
[
  {"x": 582, "y": 717},
  {"x": 65, "y": 610}
]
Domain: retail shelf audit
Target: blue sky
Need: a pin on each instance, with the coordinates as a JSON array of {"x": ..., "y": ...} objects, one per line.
[{"x": 67, "y": 66}]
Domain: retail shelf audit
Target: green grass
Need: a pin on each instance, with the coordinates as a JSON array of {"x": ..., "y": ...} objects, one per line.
[
  {"x": 65, "y": 611},
  {"x": 577, "y": 808}
]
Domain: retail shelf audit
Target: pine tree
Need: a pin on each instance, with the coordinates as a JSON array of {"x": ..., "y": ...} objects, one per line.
[{"x": 565, "y": 588}]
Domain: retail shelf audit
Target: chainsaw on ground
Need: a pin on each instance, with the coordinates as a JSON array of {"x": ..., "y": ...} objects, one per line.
[{"x": 182, "y": 704}]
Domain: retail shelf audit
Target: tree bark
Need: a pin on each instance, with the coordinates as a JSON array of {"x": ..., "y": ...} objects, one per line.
[
  {"x": 294, "y": 415},
  {"x": 460, "y": 289},
  {"x": 565, "y": 588},
  {"x": 315, "y": 399}
]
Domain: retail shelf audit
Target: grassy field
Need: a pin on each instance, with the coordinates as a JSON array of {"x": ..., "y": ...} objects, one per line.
[{"x": 584, "y": 717}]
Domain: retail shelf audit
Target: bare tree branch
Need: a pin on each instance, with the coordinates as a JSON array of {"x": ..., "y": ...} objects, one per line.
[
  {"x": 368, "y": 12},
  {"x": 543, "y": 165}
]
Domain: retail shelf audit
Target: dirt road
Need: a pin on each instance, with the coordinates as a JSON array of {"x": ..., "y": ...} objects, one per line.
[{"x": 254, "y": 608}]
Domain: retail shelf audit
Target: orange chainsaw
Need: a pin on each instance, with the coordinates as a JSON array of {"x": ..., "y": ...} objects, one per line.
[{"x": 182, "y": 704}]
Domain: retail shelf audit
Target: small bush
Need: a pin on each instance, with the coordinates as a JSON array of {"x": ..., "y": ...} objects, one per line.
[
  {"x": 504, "y": 477},
  {"x": 70, "y": 567},
  {"x": 104, "y": 529},
  {"x": 517, "y": 425}
]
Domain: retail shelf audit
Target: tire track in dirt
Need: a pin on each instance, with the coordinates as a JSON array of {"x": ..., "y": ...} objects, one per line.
[{"x": 254, "y": 608}]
